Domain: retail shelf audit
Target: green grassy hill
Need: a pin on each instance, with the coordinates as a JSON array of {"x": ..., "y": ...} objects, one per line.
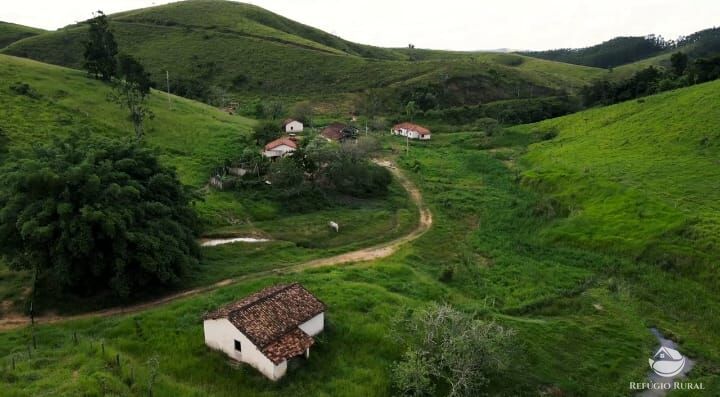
[
  {"x": 250, "y": 52},
  {"x": 10, "y": 33},
  {"x": 193, "y": 137},
  {"x": 639, "y": 177}
]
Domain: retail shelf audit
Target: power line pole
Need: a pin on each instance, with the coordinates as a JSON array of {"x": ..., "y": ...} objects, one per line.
[{"x": 167, "y": 80}]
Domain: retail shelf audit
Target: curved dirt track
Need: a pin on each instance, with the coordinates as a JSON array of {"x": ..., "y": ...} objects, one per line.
[{"x": 365, "y": 254}]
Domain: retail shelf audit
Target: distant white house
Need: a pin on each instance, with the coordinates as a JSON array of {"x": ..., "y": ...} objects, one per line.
[
  {"x": 268, "y": 328},
  {"x": 412, "y": 131},
  {"x": 292, "y": 126},
  {"x": 280, "y": 147}
]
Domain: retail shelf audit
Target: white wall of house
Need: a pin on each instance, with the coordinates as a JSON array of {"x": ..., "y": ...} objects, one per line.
[
  {"x": 294, "y": 126},
  {"x": 278, "y": 151},
  {"x": 314, "y": 326},
  {"x": 410, "y": 134},
  {"x": 221, "y": 335}
]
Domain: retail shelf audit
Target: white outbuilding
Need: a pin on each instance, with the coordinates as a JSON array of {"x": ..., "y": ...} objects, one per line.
[
  {"x": 292, "y": 126},
  {"x": 280, "y": 147},
  {"x": 267, "y": 328},
  {"x": 411, "y": 131}
]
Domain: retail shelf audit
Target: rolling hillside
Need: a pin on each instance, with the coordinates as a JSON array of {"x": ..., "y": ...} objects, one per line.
[
  {"x": 638, "y": 178},
  {"x": 250, "y": 52},
  {"x": 10, "y": 33},
  {"x": 193, "y": 137}
]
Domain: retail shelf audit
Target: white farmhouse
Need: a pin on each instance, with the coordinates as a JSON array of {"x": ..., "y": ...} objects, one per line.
[
  {"x": 412, "y": 131},
  {"x": 268, "y": 328},
  {"x": 292, "y": 126},
  {"x": 280, "y": 148}
]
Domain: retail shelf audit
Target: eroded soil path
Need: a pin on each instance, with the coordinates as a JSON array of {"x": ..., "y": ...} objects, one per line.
[{"x": 365, "y": 254}]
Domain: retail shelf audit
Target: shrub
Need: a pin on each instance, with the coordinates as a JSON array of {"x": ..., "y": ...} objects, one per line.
[
  {"x": 95, "y": 214},
  {"x": 21, "y": 88}
]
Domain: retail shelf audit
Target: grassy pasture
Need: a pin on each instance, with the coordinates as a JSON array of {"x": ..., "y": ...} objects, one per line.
[{"x": 582, "y": 315}]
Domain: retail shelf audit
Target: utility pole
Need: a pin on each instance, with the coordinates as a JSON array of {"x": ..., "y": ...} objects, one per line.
[{"x": 167, "y": 80}]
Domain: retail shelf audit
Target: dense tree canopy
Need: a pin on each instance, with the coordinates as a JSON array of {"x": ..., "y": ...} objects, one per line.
[
  {"x": 319, "y": 166},
  {"x": 95, "y": 214},
  {"x": 100, "y": 49},
  {"x": 615, "y": 52},
  {"x": 652, "y": 80}
]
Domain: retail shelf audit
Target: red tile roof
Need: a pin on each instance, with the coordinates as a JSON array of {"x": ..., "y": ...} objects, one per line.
[
  {"x": 270, "y": 319},
  {"x": 293, "y": 344},
  {"x": 281, "y": 141},
  {"x": 412, "y": 127}
]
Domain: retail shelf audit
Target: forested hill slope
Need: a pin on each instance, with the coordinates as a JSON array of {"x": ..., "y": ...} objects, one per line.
[
  {"x": 10, "y": 33},
  {"x": 634, "y": 53},
  {"x": 214, "y": 48},
  {"x": 612, "y": 53},
  {"x": 640, "y": 178}
]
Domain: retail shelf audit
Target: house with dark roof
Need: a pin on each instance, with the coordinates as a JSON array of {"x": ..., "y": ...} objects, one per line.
[
  {"x": 280, "y": 147},
  {"x": 339, "y": 132},
  {"x": 292, "y": 126},
  {"x": 267, "y": 328},
  {"x": 411, "y": 131}
]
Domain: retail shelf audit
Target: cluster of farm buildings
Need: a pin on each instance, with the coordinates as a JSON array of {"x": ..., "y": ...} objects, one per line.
[{"x": 338, "y": 132}]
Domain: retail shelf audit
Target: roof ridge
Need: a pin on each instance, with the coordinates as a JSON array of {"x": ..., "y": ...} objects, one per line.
[{"x": 263, "y": 299}]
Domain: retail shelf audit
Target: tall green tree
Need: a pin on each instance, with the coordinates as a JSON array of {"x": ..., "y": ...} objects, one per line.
[
  {"x": 90, "y": 215},
  {"x": 266, "y": 131},
  {"x": 100, "y": 49},
  {"x": 411, "y": 110},
  {"x": 131, "y": 70},
  {"x": 679, "y": 62}
]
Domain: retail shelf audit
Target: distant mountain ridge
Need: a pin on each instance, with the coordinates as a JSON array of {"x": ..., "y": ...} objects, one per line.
[
  {"x": 215, "y": 49},
  {"x": 627, "y": 50},
  {"x": 11, "y": 32}
]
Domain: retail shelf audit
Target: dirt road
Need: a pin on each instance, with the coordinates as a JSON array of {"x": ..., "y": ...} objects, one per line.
[{"x": 366, "y": 254}]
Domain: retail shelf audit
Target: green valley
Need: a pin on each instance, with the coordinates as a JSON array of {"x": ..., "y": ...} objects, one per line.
[{"x": 533, "y": 224}]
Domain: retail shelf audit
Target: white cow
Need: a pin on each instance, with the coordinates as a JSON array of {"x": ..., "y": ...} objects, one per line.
[{"x": 334, "y": 226}]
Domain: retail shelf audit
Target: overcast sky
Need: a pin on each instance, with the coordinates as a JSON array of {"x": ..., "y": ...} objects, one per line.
[{"x": 446, "y": 24}]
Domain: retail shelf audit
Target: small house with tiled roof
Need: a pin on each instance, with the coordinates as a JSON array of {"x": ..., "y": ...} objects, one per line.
[
  {"x": 292, "y": 126},
  {"x": 411, "y": 131},
  {"x": 267, "y": 328},
  {"x": 280, "y": 147}
]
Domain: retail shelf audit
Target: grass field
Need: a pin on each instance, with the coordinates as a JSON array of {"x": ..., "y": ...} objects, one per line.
[
  {"x": 638, "y": 178},
  {"x": 581, "y": 313}
]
